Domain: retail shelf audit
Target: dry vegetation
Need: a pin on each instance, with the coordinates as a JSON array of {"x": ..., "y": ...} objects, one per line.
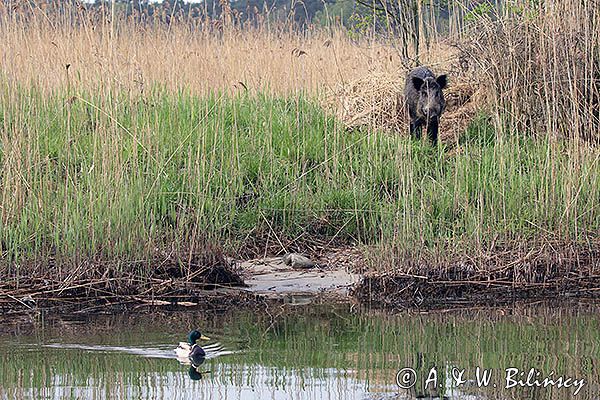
[
  {"x": 138, "y": 57},
  {"x": 124, "y": 145},
  {"x": 542, "y": 67}
]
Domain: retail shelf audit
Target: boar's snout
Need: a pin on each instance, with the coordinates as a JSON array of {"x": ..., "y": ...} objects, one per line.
[{"x": 432, "y": 109}]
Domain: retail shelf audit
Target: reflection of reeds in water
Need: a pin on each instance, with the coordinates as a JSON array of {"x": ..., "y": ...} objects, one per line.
[{"x": 309, "y": 351}]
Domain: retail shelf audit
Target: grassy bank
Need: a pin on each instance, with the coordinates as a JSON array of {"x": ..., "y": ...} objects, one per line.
[
  {"x": 133, "y": 151},
  {"x": 107, "y": 176}
]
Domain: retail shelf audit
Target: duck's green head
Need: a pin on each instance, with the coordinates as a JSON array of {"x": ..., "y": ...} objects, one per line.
[{"x": 195, "y": 335}]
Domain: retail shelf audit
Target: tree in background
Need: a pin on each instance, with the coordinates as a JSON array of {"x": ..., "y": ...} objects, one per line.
[{"x": 300, "y": 12}]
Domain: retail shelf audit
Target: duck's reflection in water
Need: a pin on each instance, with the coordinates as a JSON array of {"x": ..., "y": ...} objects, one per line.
[{"x": 194, "y": 372}]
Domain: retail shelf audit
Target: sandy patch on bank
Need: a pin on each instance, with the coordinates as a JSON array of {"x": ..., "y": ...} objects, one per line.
[{"x": 272, "y": 277}]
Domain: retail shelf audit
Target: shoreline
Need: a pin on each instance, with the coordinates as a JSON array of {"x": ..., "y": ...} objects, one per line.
[{"x": 565, "y": 273}]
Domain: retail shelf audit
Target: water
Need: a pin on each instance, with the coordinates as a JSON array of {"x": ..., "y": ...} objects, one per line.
[{"x": 303, "y": 352}]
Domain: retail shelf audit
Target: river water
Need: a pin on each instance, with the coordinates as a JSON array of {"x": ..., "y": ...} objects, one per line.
[{"x": 306, "y": 352}]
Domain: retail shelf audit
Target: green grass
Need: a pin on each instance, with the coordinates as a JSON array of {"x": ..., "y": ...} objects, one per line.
[{"x": 114, "y": 176}]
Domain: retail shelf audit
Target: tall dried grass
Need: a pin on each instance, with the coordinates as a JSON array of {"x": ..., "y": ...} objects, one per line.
[
  {"x": 199, "y": 58},
  {"x": 540, "y": 63}
]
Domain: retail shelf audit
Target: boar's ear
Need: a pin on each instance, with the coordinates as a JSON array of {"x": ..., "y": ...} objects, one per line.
[
  {"x": 442, "y": 80},
  {"x": 417, "y": 82}
]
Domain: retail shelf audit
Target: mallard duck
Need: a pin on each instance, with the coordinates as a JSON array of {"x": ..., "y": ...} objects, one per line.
[{"x": 191, "y": 350}]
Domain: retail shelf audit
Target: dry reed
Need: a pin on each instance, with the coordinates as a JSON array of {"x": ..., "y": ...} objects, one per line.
[
  {"x": 540, "y": 63},
  {"x": 175, "y": 57}
]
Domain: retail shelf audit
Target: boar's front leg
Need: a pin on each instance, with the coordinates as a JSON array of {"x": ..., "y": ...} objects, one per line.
[
  {"x": 415, "y": 128},
  {"x": 432, "y": 130}
]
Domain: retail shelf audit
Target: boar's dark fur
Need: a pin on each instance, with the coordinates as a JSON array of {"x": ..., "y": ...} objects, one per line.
[{"x": 425, "y": 101}]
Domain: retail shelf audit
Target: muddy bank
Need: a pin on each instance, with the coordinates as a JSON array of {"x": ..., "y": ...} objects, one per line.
[
  {"x": 503, "y": 277},
  {"x": 216, "y": 282},
  {"x": 547, "y": 272},
  {"x": 93, "y": 286},
  {"x": 396, "y": 291}
]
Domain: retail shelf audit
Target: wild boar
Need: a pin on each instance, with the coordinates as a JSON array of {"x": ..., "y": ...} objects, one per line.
[{"x": 425, "y": 101}]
